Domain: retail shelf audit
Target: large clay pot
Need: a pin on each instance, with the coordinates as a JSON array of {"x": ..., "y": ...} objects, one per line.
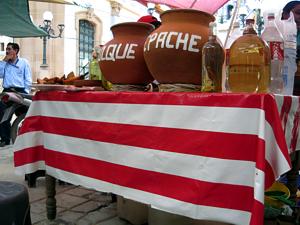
[
  {"x": 122, "y": 60},
  {"x": 173, "y": 52}
]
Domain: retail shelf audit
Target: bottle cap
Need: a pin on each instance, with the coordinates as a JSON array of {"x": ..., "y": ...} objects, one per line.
[
  {"x": 236, "y": 24},
  {"x": 249, "y": 29},
  {"x": 250, "y": 21}
]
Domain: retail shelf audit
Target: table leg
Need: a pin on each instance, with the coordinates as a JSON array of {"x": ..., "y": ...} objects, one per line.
[
  {"x": 31, "y": 178},
  {"x": 51, "y": 201}
]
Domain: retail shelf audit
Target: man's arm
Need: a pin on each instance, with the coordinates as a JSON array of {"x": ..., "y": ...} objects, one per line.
[{"x": 3, "y": 64}]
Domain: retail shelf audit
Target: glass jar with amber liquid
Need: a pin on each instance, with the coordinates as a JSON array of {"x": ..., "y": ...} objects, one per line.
[
  {"x": 212, "y": 62},
  {"x": 249, "y": 63}
]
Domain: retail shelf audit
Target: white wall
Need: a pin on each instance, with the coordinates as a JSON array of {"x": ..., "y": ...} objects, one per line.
[
  {"x": 70, "y": 40},
  {"x": 4, "y": 40}
]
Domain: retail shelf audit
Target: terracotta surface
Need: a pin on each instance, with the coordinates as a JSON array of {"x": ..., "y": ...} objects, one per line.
[
  {"x": 173, "y": 52},
  {"x": 122, "y": 60}
]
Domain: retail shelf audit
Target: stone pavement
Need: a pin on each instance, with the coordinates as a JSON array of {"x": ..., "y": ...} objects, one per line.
[{"x": 75, "y": 205}]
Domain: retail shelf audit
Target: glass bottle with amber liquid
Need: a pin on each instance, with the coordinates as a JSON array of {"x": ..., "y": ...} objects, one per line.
[
  {"x": 249, "y": 63},
  {"x": 212, "y": 62}
]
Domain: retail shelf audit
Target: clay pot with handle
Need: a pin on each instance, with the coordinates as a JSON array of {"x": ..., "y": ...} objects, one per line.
[
  {"x": 122, "y": 60},
  {"x": 173, "y": 52}
]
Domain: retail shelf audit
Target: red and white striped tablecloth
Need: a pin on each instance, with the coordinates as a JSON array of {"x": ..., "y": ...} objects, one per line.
[{"x": 205, "y": 156}]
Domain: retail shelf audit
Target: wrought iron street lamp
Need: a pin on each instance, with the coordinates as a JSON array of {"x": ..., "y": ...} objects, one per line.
[
  {"x": 48, "y": 16},
  {"x": 150, "y": 8}
]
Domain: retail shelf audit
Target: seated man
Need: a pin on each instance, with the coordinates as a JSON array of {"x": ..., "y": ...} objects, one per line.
[{"x": 16, "y": 74}]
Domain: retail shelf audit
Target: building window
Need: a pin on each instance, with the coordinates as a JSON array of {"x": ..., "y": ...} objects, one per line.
[
  {"x": 86, "y": 45},
  {"x": 2, "y": 46}
]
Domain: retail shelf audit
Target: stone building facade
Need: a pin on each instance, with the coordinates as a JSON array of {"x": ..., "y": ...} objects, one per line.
[{"x": 86, "y": 25}]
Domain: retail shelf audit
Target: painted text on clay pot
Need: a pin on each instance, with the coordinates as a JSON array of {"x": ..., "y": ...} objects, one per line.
[
  {"x": 122, "y": 60},
  {"x": 183, "y": 41},
  {"x": 173, "y": 52}
]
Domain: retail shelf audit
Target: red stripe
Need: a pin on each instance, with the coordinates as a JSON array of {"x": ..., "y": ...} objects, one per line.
[
  {"x": 269, "y": 175},
  {"x": 257, "y": 216},
  {"x": 204, "y": 143},
  {"x": 161, "y": 98},
  {"x": 31, "y": 124},
  {"x": 29, "y": 155},
  {"x": 285, "y": 110},
  {"x": 176, "y": 187}
]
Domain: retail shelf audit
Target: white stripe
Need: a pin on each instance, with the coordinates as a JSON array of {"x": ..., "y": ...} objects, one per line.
[
  {"x": 279, "y": 101},
  {"x": 273, "y": 153},
  {"x": 34, "y": 138},
  {"x": 157, "y": 201},
  {"x": 259, "y": 186},
  {"x": 30, "y": 167},
  {"x": 218, "y": 119},
  {"x": 196, "y": 167}
]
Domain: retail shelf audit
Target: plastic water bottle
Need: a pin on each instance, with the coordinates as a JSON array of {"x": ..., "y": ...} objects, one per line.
[
  {"x": 290, "y": 54},
  {"x": 273, "y": 37}
]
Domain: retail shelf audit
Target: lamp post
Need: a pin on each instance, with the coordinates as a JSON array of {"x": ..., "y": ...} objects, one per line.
[
  {"x": 48, "y": 16},
  {"x": 150, "y": 8},
  {"x": 243, "y": 12}
]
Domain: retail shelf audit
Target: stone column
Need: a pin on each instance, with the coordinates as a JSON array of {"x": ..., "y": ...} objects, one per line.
[{"x": 115, "y": 11}]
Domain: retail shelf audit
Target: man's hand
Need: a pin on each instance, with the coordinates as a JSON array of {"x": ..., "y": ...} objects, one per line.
[{"x": 8, "y": 57}]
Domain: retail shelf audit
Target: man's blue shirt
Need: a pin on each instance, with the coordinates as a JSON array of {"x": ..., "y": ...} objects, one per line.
[{"x": 16, "y": 75}]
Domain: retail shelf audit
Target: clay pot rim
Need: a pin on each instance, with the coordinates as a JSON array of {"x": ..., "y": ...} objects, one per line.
[
  {"x": 141, "y": 24},
  {"x": 188, "y": 10}
]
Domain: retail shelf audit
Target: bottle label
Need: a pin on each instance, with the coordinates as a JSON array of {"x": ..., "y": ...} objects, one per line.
[
  {"x": 276, "y": 49},
  {"x": 290, "y": 44}
]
